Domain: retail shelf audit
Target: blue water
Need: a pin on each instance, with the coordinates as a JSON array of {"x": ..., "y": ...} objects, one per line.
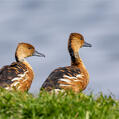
[{"x": 47, "y": 24}]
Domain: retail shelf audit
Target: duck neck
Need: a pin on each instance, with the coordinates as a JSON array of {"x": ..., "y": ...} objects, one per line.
[
  {"x": 75, "y": 58},
  {"x": 77, "y": 62},
  {"x": 19, "y": 58},
  {"x": 16, "y": 57},
  {"x": 23, "y": 60}
]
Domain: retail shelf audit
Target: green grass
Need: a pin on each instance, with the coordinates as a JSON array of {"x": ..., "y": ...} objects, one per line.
[{"x": 17, "y": 105}]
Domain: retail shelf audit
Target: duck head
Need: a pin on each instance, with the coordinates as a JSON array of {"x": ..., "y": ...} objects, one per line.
[
  {"x": 26, "y": 50},
  {"x": 76, "y": 41}
]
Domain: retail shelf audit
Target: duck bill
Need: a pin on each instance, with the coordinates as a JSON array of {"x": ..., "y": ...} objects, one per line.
[
  {"x": 86, "y": 44},
  {"x": 36, "y": 53}
]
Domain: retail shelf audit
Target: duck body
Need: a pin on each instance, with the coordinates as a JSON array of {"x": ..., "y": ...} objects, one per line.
[
  {"x": 67, "y": 78},
  {"x": 18, "y": 75},
  {"x": 74, "y": 77}
]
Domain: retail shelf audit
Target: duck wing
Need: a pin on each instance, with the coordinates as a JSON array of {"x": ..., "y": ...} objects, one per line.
[
  {"x": 10, "y": 72},
  {"x": 60, "y": 74}
]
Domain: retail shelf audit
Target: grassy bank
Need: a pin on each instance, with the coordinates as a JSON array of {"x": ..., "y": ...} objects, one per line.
[{"x": 16, "y": 105}]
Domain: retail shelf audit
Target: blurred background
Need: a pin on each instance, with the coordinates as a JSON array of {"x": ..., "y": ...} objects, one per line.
[{"x": 46, "y": 24}]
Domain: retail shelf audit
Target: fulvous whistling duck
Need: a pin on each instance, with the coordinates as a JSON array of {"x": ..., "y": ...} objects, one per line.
[
  {"x": 74, "y": 77},
  {"x": 19, "y": 75}
]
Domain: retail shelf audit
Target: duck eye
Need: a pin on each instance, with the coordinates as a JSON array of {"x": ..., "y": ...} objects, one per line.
[{"x": 30, "y": 48}]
